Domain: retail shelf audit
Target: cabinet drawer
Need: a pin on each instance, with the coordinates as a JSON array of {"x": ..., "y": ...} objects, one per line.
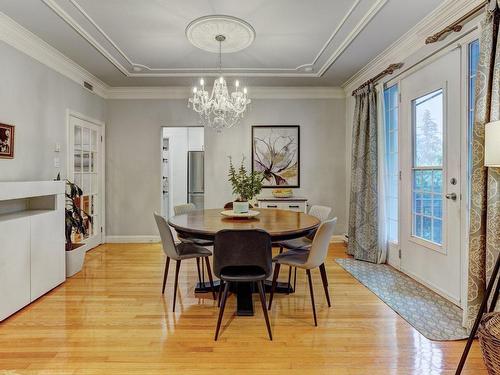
[{"x": 291, "y": 206}]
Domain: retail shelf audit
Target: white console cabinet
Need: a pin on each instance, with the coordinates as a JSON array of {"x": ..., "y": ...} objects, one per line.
[
  {"x": 32, "y": 253},
  {"x": 298, "y": 204}
]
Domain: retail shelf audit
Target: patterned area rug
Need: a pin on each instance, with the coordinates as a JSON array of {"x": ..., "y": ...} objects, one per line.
[{"x": 433, "y": 316}]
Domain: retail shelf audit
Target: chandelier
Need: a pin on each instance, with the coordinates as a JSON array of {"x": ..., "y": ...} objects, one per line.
[{"x": 219, "y": 110}]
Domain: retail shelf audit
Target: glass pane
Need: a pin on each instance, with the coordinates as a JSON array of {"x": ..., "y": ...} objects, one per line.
[
  {"x": 437, "y": 231},
  {"x": 94, "y": 183},
  {"x": 418, "y": 226},
  {"x": 86, "y": 162},
  {"x": 77, "y": 163},
  {"x": 86, "y": 183},
  {"x": 428, "y": 130},
  {"x": 437, "y": 181},
  {"x": 78, "y": 179},
  {"x": 418, "y": 180},
  {"x": 91, "y": 162},
  {"x": 427, "y": 180},
  {"x": 94, "y": 140},
  {"x": 86, "y": 139},
  {"x": 427, "y": 204},
  {"x": 417, "y": 197},
  {"x": 78, "y": 138},
  {"x": 427, "y": 228},
  {"x": 437, "y": 207}
]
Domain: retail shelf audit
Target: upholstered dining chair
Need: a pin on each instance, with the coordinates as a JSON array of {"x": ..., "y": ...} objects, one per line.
[
  {"x": 242, "y": 256},
  {"x": 304, "y": 243},
  {"x": 180, "y": 252},
  {"x": 308, "y": 260},
  {"x": 184, "y": 209}
]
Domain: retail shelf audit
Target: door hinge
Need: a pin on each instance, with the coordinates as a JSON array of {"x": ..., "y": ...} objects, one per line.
[
  {"x": 399, "y": 253},
  {"x": 101, "y": 229},
  {"x": 400, "y": 174},
  {"x": 101, "y": 138},
  {"x": 399, "y": 95}
]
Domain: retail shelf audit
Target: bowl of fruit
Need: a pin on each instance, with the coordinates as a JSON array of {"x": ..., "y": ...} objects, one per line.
[{"x": 282, "y": 193}]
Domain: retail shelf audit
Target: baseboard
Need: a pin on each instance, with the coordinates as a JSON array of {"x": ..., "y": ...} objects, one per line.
[
  {"x": 338, "y": 238},
  {"x": 132, "y": 239}
]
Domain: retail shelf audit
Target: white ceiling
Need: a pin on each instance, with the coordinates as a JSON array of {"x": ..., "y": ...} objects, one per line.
[{"x": 334, "y": 38}]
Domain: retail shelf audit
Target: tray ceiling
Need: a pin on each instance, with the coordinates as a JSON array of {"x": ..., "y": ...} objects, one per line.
[{"x": 130, "y": 42}]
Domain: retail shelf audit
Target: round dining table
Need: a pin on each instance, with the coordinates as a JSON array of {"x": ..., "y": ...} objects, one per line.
[{"x": 280, "y": 224}]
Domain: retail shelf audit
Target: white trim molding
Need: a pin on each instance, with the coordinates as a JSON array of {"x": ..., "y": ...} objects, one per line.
[
  {"x": 132, "y": 239},
  {"x": 25, "y": 41},
  {"x": 413, "y": 40},
  {"x": 116, "y": 55},
  {"x": 178, "y": 92}
]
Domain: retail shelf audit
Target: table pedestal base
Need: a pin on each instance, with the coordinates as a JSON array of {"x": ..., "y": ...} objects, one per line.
[{"x": 244, "y": 293}]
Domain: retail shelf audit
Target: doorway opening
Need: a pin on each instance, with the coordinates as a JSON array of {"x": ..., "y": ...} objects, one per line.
[{"x": 183, "y": 167}]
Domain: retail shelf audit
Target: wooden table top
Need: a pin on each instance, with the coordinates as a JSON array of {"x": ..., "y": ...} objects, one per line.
[{"x": 280, "y": 224}]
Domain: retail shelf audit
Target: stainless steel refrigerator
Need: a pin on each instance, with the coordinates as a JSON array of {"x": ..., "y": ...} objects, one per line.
[{"x": 196, "y": 178}]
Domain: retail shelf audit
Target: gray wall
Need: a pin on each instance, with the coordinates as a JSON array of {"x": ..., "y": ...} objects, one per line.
[
  {"x": 133, "y": 155},
  {"x": 35, "y": 98}
]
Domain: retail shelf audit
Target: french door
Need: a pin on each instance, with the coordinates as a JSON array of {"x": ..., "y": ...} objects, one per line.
[
  {"x": 85, "y": 169},
  {"x": 430, "y": 175}
]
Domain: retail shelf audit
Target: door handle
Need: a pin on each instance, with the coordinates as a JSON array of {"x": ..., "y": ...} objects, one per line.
[{"x": 451, "y": 196}]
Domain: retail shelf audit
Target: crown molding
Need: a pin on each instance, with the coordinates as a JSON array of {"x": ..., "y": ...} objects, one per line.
[
  {"x": 413, "y": 40},
  {"x": 126, "y": 65},
  {"x": 177, "y": 92},
  {"x": 25, "y": 41}
]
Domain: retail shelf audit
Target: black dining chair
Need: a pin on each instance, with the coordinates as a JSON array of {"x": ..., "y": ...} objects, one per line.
[{"x": 242, "y": 256}]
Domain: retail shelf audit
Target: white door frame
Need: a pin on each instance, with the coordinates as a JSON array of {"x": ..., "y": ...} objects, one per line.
[
  {"x": 424, "y": 59},
  {"x": 70, "y": 113}
]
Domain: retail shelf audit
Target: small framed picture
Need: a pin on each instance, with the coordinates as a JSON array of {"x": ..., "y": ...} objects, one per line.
[
  {"x": 6, "y": 141},
  {"x": 276, "y": 154}
]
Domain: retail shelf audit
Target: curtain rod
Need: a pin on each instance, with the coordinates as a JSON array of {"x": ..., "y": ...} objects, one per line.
[
  {"x": 457, "y": 25},
  {"x": 390, "y": 69}
]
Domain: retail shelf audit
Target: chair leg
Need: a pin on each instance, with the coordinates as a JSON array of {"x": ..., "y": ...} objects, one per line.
[
  {"x": 281, "y": 249},
  {"x": 322, "y": 269},
  {"x": 273, "y": 286},
  {"x": 209, "y": 272},
  {"x": 221, "y": 291},
  {"x": 221, "y": 310},
  {"x": 177, "y": 267},
  {"x": 295, "y": 279},
  {"x": 165, "y": 274},
  {"x": 289, "y": 279},
  {"x": 199, "y": 272},
  {"x": 312, "y": 296},
  {"x": 264, "y": 309}
]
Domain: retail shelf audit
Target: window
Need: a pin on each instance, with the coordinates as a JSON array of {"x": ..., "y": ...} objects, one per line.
[
  {"x": 427, "y": 173},
  {"x": 391, "y": 105},
  {"x": 472, "y": 69}
]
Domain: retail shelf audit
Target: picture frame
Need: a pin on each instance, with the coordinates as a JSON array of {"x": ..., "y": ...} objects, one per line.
[
  {"x": 282, "y": 141},
  {"x": 6, "y": 141}
]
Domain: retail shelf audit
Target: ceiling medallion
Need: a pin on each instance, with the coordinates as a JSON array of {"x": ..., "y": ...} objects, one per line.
[
  {"x": 202, "y": 33},
  {"x": 220, "y": 109}
]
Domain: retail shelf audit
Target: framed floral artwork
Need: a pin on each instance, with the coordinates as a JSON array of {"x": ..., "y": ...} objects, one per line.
[
  {"x": 276, "y": 154},
  {"x": 6, "y": 141}
]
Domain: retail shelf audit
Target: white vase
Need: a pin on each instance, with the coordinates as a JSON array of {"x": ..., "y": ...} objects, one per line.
[
  {"x": 240, "y": 207},
  {"x": 74, "y": 260}
]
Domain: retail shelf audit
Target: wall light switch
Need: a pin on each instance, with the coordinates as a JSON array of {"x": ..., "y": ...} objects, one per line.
[
  {"x": 57, "y": 163},
  {"x": 57, "y": 147}
]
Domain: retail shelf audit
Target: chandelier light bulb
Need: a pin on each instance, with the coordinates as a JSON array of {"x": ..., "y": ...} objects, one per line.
[
  {"x": 221, "y": 79},
  {"x": 195, "y": 89},
  {"x": 244, "y": 90},
  {"x": 237, "y": 83},
  {"x": 202, "y": 82}
]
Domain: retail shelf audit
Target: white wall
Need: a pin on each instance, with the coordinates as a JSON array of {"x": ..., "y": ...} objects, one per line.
[
  {"x": 35, "y": 98},
  {"x": 133, "y": 155}
]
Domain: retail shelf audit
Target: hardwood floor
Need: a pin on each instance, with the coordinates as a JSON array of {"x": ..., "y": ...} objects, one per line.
[{"x": 112, "y": 319}]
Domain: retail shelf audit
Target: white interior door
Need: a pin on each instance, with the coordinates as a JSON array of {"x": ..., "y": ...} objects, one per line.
[
  {"x": 86, "y": 170},
  {"x": 430, "y": 175}
]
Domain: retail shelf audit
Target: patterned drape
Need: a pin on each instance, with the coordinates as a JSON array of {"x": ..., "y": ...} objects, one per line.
[
  {"x": 363, "y": 206},
  {"x": 484, "y": 233}
]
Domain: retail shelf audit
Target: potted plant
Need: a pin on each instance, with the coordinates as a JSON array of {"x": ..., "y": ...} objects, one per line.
[
  {"x": 75, "y": 223},
  {"x": 246, "y": 185}
]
